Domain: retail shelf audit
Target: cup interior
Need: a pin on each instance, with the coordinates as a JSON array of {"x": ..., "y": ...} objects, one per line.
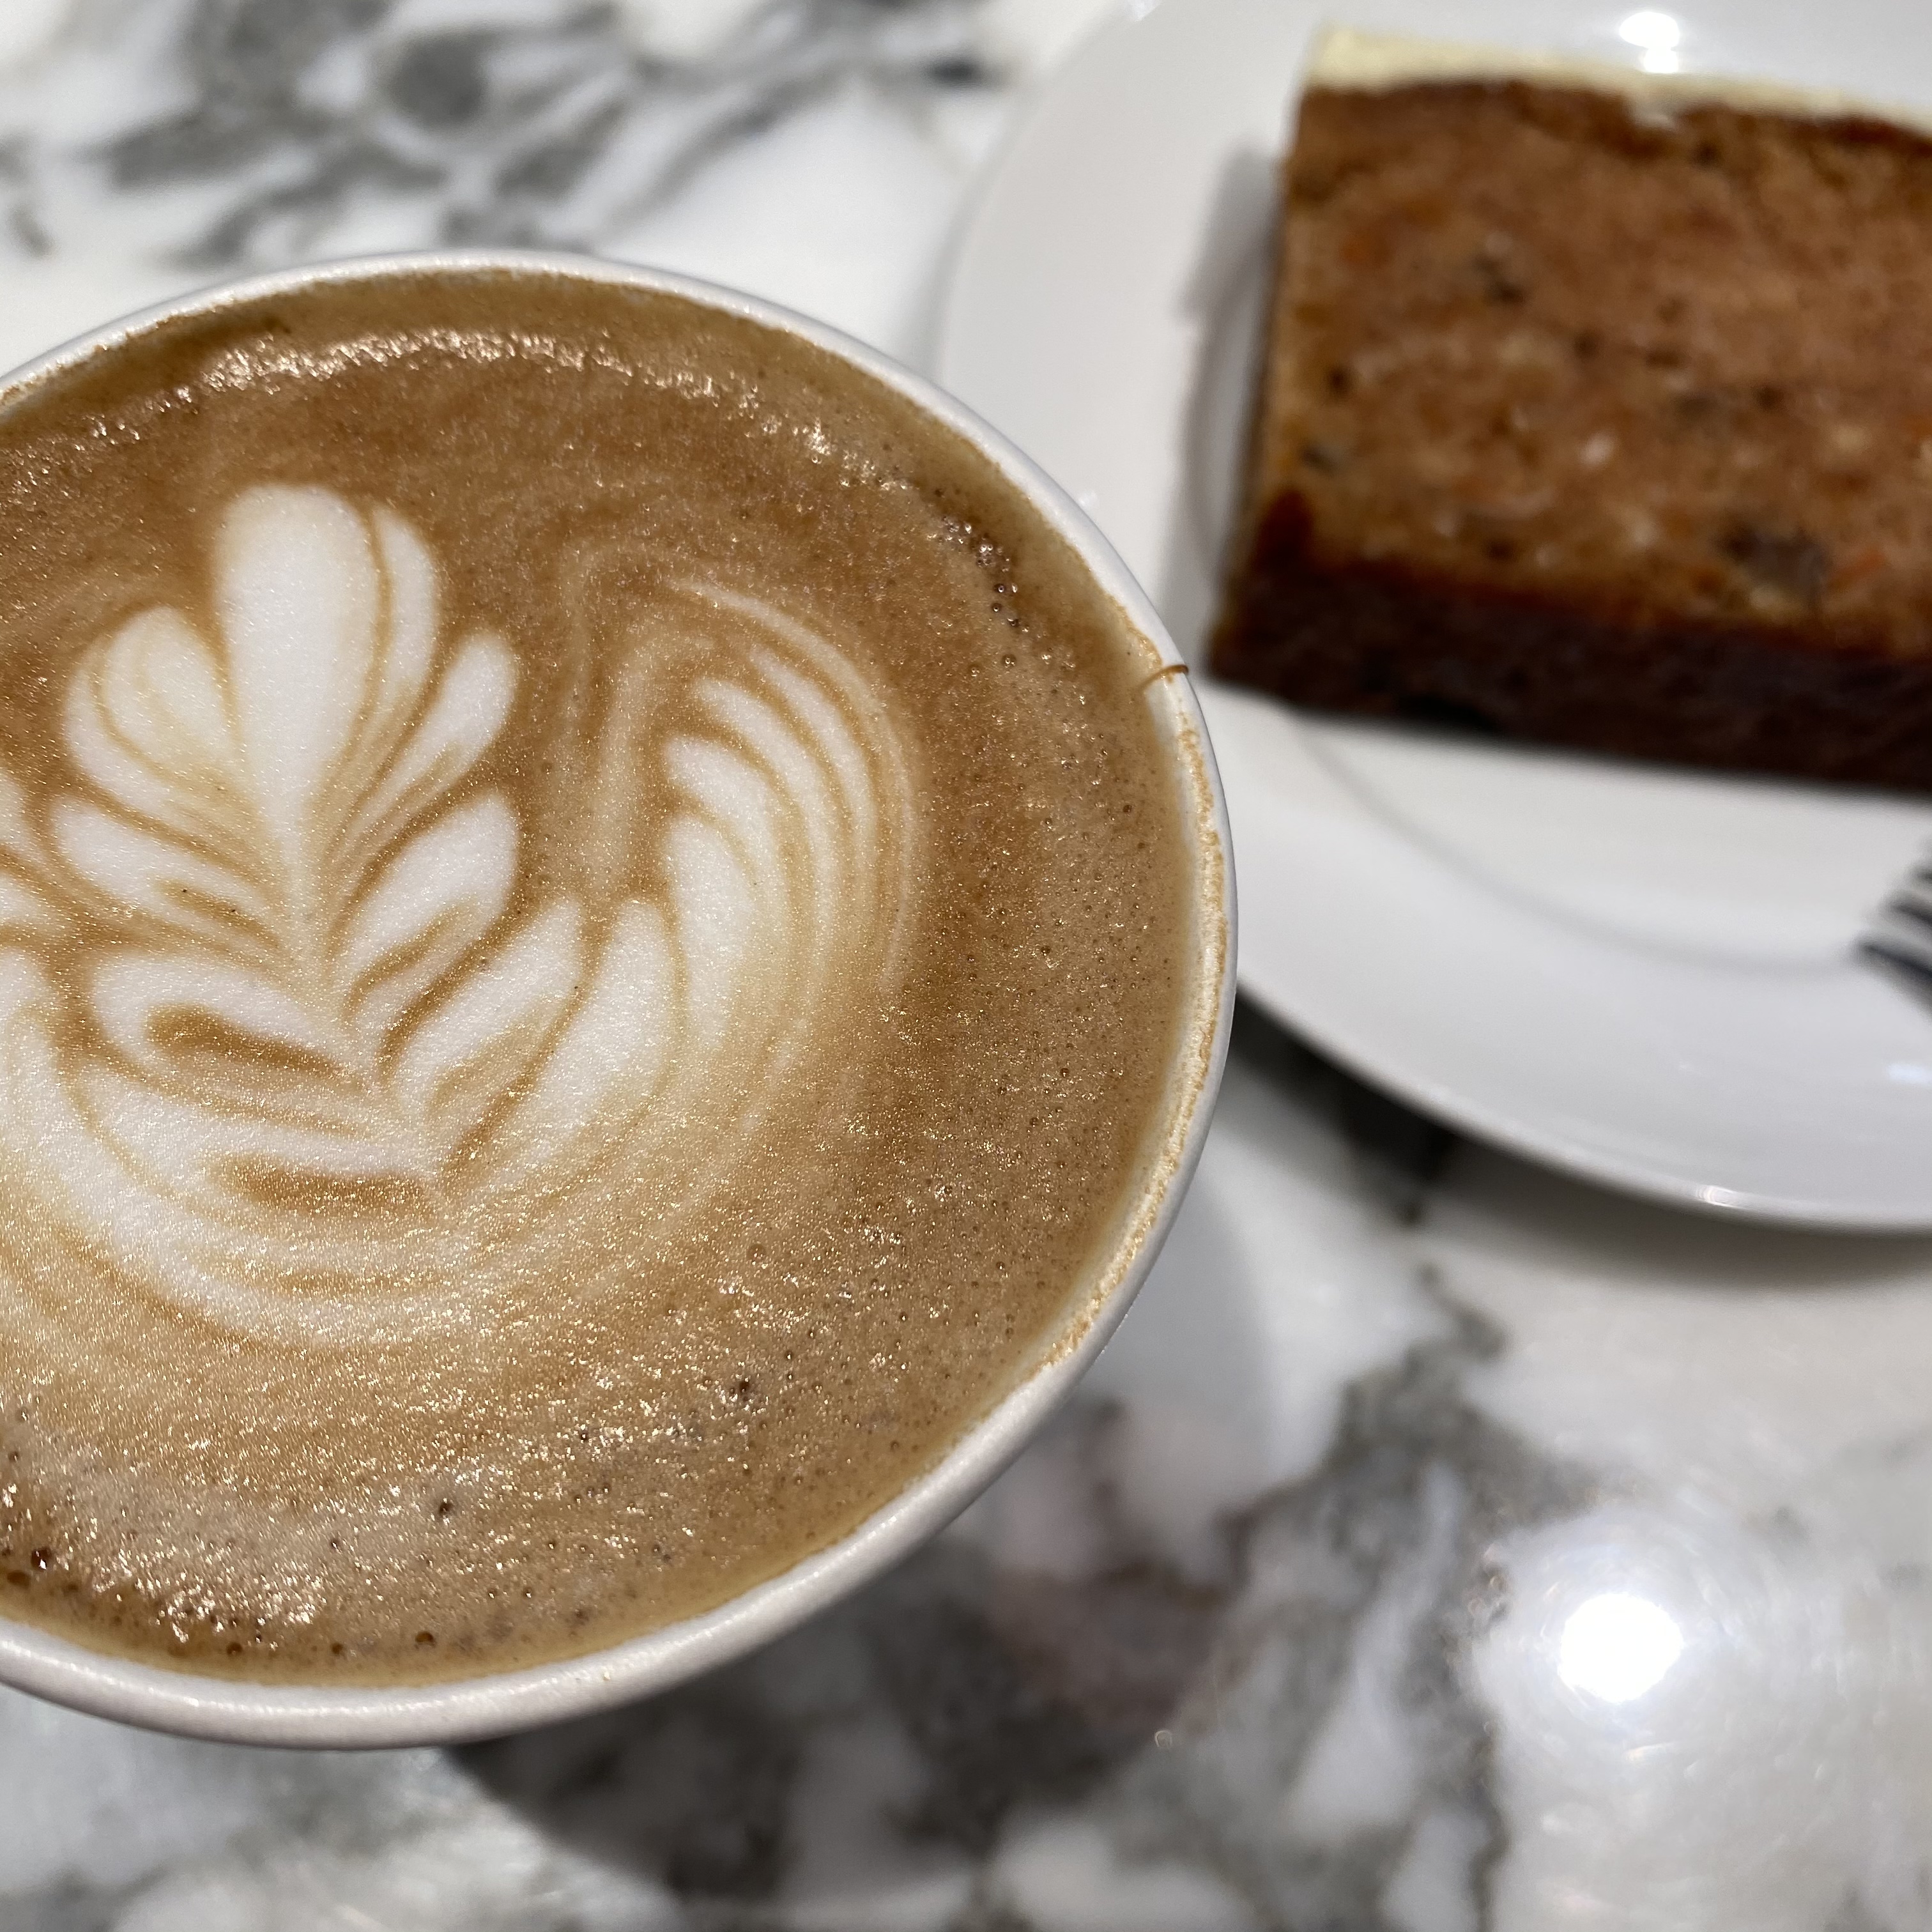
[{"x": 190, "y": 1704}]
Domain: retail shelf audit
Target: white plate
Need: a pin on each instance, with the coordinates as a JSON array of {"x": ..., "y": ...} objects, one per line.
[{"x": 1642, "y": 975}]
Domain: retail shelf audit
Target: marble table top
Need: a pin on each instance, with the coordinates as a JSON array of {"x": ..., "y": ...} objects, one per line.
[{"x": 1440, "y": 1545}]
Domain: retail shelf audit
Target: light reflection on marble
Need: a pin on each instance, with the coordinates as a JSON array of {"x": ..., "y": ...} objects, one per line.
[{"x": 1440, "y": 1545}]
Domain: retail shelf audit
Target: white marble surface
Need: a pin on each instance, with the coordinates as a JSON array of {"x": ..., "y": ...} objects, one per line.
[
  {"x": 1440, "y": 1545},
  {"x": 813, "y": 151}
]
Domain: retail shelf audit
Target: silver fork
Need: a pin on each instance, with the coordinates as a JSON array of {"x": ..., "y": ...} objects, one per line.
[{"x": 1899, "y": 938}]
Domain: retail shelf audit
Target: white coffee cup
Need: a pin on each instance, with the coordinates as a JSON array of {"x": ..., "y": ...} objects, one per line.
[{"x": 362, "y": 1716}]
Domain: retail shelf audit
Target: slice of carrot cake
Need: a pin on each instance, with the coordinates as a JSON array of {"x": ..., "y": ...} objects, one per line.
[{"x": 1598, "y": 408}]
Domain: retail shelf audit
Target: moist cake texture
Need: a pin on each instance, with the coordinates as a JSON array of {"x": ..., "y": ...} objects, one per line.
[
  {"x": 1597, "y": 409},
  {"x": 595, "y": 926}
]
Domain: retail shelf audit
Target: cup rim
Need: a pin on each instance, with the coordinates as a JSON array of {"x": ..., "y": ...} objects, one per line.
[{"x": 162, "y": 1698}]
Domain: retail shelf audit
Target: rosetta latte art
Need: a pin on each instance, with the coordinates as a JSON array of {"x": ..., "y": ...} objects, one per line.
[{"x": 287, "y": 1037}]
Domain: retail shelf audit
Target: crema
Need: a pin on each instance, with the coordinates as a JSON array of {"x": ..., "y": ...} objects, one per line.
[{"x": 596, "y": 934}]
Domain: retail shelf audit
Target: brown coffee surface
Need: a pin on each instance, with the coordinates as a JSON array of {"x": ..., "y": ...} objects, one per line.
[{"x": 596, "y": 932}]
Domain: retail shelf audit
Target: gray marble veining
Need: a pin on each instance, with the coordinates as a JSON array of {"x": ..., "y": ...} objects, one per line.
[
  {"x": 814, "y": 149},
  {"x": 289, "y": 128}
]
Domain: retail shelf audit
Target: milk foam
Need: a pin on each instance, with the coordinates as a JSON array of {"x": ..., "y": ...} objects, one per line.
[{"x": 282, "y": 1035}]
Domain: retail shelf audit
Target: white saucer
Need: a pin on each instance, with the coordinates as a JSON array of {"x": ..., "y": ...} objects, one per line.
[{"x": 1644, "y": 976}]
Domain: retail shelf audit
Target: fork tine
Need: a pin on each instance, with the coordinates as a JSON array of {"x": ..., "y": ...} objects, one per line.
[
  {"x": 1917, "y": 911},
  {"x": 1897, "y": 939},
  {"x": 1913, "y": 968},
  {"x": 1898, "y": 931},
  {"x": 1904, "y": 921}
]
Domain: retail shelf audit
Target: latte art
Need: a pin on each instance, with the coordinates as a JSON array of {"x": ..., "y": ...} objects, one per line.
[
  {"x": 597, "y": 953},
  {"x": 315, "y": 1033}
]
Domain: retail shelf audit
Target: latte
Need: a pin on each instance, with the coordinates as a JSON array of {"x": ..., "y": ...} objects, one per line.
[{"x": 598, "y": 942}]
